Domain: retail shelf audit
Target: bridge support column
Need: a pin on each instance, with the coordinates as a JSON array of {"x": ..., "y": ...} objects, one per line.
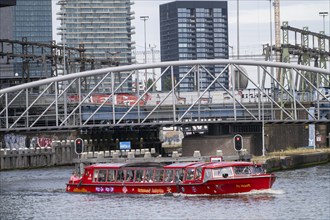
[
  {"x": 2, "y": 158},
  {"x": 218, "y": 129}
]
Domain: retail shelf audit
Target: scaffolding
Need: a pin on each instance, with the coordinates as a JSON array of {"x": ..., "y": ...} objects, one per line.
[{"x": 309, "y": 49}]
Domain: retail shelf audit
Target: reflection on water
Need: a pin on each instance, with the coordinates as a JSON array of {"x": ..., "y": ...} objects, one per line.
[{"x": 40, "y": 194}]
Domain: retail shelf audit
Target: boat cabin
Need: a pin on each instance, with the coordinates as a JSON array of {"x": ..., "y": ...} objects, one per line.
[{"x": 192, "y": 172}]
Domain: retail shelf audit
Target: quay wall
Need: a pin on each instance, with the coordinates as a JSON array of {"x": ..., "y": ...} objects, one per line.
[
  {"x": 56, "y": 155},
  {"x": 294, "y": 161},
  {"x": 62, "y": 153}
]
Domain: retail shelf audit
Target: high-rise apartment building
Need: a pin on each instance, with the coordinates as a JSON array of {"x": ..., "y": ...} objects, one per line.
[
  {"x": 102, "y": 26},
  {"x": 191, "y": 30}
]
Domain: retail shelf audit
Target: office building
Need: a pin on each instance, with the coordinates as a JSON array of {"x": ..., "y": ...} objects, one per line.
[
  {"x": 191, "y": 30},
  {"x": 33, "y": 20},
  {"x": 25, "y": 20}
]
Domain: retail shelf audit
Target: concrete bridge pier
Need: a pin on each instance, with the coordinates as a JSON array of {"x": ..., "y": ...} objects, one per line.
[{"x": 23, "y": 158}]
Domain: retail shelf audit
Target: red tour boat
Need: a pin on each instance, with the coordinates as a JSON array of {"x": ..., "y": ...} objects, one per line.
[{"x": 188, "y": 178}]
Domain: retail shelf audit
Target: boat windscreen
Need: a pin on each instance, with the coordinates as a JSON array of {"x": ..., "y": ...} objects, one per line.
[{"x": 222, "y": 172}]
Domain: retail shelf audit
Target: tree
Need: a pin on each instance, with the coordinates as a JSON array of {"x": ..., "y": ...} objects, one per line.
[
  {"x": 149, "y": 82},
  {"x": 167, "y": 84}
]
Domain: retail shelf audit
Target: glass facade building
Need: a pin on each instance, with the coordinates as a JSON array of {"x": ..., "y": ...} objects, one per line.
[
  {"x": 6, "y": 3},
  {"x": 31, "y": 21},
  {"x": 191, "y": 30},
  {"x": 102, "y": 26}
]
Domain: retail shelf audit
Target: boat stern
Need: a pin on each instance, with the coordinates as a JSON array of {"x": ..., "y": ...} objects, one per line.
[{"x": 272, "y": 180}]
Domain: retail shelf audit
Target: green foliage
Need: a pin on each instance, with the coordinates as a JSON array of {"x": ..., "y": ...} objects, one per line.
[
  {"x": 149, "y": 82},
  {"x": 290, "y": 148},
  {"x": 167, "y": 84}
]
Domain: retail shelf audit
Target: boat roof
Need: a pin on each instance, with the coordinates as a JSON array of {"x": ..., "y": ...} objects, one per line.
[
  {"x": 105, "y": 165},
  {"x": 182, "y": 165},
  {"x": 121, "y": 165},
  {"x": 227, "y": 164},
  {"x": 208, "y": 165}
]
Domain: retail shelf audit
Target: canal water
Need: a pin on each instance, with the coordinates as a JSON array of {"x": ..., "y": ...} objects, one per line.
[{"x": 40, "y": 194}]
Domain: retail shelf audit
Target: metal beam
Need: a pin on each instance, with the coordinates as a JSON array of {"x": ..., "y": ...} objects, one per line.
[
  {"x": 160, "y": 65},
  {"x": 163, "y": 112}
]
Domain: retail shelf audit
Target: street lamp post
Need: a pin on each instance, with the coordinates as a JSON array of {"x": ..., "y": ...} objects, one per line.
[
  {"x": 233, "y": 79},
  {"x": 231, "y": 66},
  {"x": 153, "y": 70},
  {"x": 270, "y": 30},
  {"x": 323, "y": 14},
  {"x": 145, "y": 18},
  {"x": 232, "y": 51}
]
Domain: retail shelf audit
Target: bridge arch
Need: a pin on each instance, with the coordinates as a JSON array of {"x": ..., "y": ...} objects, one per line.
[{"x": 300, "y": 96}]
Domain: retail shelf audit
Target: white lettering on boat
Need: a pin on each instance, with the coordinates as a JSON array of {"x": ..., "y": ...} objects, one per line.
[{"x": 104, "y": 189}]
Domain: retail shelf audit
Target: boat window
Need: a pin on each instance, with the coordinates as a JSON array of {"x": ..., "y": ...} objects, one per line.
[
  {"x": 255, "y": 170},
  {"x": 120, "y": 175},
  {"x": 149, "y": 175},
  {"x": 100, "y": 175},
  {"x": 138, "y": 175},
  {"x": 258, "y": 170},
  {"x": 198, "y": 173},
  {"x": 179, "y": 175},
  {"x": 222, "y": 172},
  {"x": 95, "y": 176},
  {"x": 169, "y": 176},
  {"x": 129, "y": 175},
  {"x": 111, "y": 176},
  {"x": 190, "y": 174},
  {"x": 207, "y": 174},
  {"x": 159, "y": 175},
  {"x": 243, "y": 170}
]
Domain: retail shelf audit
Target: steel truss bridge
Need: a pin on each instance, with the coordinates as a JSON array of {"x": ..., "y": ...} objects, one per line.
[{"x": 72, "y": 102}]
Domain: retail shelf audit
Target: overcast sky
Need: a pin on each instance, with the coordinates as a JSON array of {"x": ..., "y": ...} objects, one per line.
[{"x": 254, "y": 21}]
